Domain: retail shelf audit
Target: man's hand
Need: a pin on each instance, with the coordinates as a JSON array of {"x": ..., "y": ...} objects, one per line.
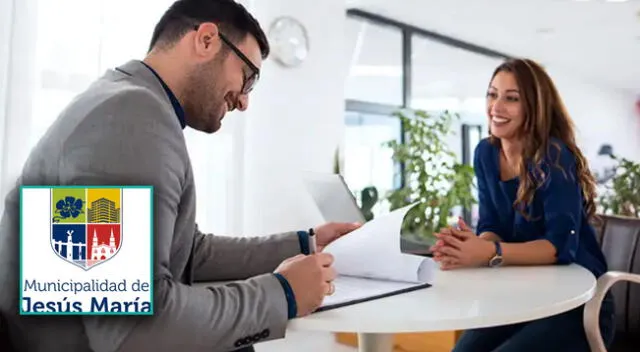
[
  {"x": 310, "y": 278},
  {"x": 330, "y": 232}
]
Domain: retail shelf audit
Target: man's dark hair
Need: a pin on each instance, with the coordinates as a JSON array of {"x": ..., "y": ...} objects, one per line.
[{"x": 232, "y": 19}]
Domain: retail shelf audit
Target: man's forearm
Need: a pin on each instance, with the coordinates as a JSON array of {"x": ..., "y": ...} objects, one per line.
[{"x": 219, "y": 258}]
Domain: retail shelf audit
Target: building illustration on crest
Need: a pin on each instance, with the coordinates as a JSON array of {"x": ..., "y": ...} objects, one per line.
[{"x": 103, "y": 211}]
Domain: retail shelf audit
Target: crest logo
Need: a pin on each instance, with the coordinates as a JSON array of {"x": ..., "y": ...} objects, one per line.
[{"x": 86, "y": 226}]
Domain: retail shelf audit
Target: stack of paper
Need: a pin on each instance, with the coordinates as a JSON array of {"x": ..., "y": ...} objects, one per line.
[{"x": 371, "y": 265}]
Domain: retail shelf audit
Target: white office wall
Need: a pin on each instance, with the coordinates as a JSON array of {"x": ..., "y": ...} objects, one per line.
[
  {"x": 602, "y": 114},
  {"x": 294, "y": 121}
]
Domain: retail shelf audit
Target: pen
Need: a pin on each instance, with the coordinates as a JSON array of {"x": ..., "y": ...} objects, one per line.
[{"x": 313, "y": 248}]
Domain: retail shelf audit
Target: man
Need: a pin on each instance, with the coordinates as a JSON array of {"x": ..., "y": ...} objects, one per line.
[{"x": 127, "y": 128}]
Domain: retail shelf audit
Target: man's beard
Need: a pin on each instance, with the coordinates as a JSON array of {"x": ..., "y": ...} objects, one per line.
[{"x": 203, "y": 98}]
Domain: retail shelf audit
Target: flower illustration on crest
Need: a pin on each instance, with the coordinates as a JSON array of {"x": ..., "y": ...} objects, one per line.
[{"x": 68, "y": 207}]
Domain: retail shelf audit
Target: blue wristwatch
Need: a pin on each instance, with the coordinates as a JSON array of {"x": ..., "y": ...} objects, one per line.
[{"x": 497, "y": 259}]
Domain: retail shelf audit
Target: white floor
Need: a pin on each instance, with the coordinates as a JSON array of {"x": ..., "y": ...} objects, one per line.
[{"x": 304, "y": 341}]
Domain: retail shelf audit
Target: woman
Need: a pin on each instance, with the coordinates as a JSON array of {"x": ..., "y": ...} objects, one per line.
[{"x": 536, "y": 197}]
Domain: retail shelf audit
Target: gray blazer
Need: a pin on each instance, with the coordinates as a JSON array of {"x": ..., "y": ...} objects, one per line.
[{"x": 123, "y": 130}]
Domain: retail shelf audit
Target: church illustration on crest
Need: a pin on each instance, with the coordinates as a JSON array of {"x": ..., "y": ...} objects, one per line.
[{"x": 103, "y": 251}]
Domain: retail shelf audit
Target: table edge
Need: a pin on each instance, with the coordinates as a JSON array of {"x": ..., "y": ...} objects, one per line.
[{"x": 458, "y": 324}]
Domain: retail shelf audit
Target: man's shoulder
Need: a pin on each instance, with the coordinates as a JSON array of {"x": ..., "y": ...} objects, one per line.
[
  {"x": 120, "y": 112},
  {"x": 114, "y": 111},
  {"x": 105, "y": 110},
  {"x": 119, "y": 101},
  {"x": 114, "y": 123}
]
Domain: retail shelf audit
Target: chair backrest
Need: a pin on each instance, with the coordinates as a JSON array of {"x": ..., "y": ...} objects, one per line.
[{"x": 620, "y": 241}]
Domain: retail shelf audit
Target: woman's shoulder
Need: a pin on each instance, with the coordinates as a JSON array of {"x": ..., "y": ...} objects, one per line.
[
  {"x": 559, "y": 162},
  {"x": 484, "y": 157},
  {"x": 559, "y": 153},
  {"x": 484, "y": 147}
]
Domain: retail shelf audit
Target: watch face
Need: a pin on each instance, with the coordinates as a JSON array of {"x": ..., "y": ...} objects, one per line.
[
  {"x": 289, "y": 41},
  {"x": 495, "y": 261}
]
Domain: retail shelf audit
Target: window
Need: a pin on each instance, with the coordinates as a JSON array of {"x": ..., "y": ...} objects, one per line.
[
  {"x": 366, "y": 161},
  {"x": 446, "y": 77},
  {"x": 374, "y": 54},
  {"x": 449, "y": 78},
  {"x": 213, "y": 171},
  {"x": 68, "y": 60},
  {"x": 374, "y": 89},
  {"x": 471, "y": 136},
  {"x": 63, "y": 68}
]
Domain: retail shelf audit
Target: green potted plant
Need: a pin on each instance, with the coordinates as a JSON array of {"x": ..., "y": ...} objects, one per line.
[
  {"x": 622, "y": 190},
  {"x": 433, "y": 176}
]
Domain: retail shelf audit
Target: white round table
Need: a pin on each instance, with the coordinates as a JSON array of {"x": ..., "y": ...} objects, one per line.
[{"x": 459, "y": 300}]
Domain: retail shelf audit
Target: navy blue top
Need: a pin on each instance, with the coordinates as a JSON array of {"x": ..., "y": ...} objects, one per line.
[
  {"x": 303, "y": 236},
  {"x": 557, "y": 212}
]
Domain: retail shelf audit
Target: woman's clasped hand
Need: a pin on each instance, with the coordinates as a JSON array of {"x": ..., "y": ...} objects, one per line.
[{"x": 459, "y": 247}]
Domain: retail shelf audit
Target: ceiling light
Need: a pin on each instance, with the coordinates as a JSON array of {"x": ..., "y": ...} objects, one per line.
[
  {"x": 545, "y": 30},
  {"x": 615, "y": 0}
]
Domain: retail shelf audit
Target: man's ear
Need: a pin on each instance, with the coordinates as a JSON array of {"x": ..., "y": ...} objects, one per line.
[{"x": 207, "y": 41}]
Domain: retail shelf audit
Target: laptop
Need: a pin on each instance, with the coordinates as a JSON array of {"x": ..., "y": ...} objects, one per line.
[{"x": 333, "y": 198}]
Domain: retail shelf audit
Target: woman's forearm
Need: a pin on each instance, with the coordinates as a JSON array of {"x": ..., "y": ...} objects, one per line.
[
  {"x": 539, "y": 252},
  {"x": 490, "y": 236}
]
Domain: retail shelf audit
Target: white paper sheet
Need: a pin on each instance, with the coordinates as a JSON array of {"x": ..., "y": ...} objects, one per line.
[
  {"x": 373, "y": 251},
  {"x": 353, "y": 289}
]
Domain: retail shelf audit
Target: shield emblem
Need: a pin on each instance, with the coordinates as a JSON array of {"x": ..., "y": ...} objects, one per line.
[{"x": 86, "y": 227}]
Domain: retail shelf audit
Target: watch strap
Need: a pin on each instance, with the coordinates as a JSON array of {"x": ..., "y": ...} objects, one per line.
[{"x": 496, "y": 260}]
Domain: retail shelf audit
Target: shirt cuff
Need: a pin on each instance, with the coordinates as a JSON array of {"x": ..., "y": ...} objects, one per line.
[
  {"x": 303, "y": 237},
  {"x": 292, "y": 308}
]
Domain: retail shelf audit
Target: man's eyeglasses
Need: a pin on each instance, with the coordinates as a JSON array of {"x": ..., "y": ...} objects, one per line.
[{"x": 249, "y": 81}]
